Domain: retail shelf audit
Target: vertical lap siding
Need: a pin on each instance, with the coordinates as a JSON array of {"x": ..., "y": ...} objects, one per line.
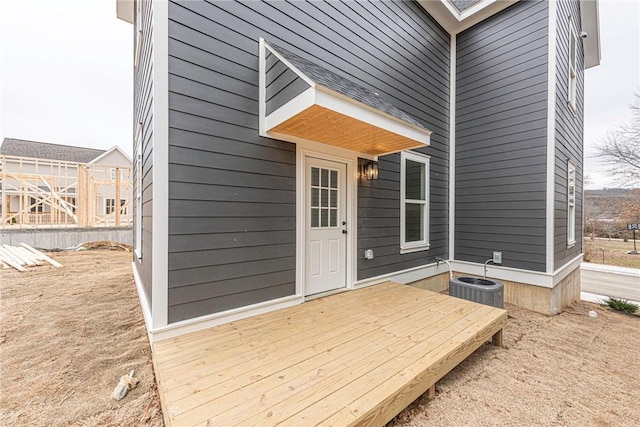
[
  {"x": 569, "y": 133},
  {"x": 501, "y": 137},
  {"x": 232, "y": 193},
  {"x": 143, "y": 114}
]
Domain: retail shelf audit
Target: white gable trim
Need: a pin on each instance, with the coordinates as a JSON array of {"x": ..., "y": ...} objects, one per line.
[{"x": 109, "y": 151}]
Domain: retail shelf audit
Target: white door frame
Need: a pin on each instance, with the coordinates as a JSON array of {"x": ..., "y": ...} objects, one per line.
[{"x": 350, "y": 159}]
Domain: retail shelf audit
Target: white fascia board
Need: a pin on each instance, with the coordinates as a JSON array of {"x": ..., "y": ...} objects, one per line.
[
  {"x": 551, "y": 137},
  {"x": 298, "y": 104},
  {"x": 335, "y": 101},
  {"x": 590, "y": 19},
  {"x": 124, "y": 10}
]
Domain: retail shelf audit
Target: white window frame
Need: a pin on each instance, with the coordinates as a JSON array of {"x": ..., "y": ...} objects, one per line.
[
  {"x": 572, "y": 88},
  {"x": 138, "y": 46},
  {"x": 571, "y": 204},
  {"x": 422, "y": 245},
  {"x": 138, "y": 196}
]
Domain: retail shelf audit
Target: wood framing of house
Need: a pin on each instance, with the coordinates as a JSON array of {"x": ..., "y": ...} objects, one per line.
[{"x": 46, "y": 192}]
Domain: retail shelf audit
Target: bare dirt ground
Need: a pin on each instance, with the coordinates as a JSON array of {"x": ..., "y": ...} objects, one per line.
[
  {"x": 68, "y": 334},
  {"x": 66, "y": 337},
  {"x": 566, "y": 370}
]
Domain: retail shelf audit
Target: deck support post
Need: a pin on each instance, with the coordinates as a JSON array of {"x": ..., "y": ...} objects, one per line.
[
  {"x": 431, "y": 392},
  {"x": 497, "y": 339}
]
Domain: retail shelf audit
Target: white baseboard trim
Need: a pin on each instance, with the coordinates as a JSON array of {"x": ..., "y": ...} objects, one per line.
[{"x": 211, "y": 320}]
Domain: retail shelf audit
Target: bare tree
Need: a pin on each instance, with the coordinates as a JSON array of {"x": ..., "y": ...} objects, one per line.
[{"x": 620, "y": 148}]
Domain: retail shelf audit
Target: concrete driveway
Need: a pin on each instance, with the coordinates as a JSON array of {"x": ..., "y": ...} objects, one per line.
[{"x": 607, "y": 280}]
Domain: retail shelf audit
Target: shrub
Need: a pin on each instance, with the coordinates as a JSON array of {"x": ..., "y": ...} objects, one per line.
[{"x": 622, "y": 305}]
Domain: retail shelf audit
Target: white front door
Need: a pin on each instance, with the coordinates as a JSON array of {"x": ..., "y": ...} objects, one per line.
[{"x": 325, "y": 225}]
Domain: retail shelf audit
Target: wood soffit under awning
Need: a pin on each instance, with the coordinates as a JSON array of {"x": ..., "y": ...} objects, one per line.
[{"x": 335, "y": 111}]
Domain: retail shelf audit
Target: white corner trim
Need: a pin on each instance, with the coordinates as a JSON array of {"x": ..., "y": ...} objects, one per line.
[
  {"x": 211, "y": 320},
  {"x": 452, "y": 148},
  {"x": 262, "y": 88},
  {"x": 160, "y": 219},
  {"x": 551, "y": 136}
]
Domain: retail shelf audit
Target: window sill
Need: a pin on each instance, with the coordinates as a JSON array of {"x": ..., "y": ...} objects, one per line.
[
  {"x": 414, "y": 249},
  {"x": 571, "y": 244}
]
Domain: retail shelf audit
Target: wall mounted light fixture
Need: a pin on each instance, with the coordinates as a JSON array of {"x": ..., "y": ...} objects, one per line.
[{"x": 369, "y": 169}]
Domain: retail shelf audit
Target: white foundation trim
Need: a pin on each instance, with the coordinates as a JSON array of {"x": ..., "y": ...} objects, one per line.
[
  {"x": 527, "y": 277},
  {"x": 551, "y": 136},
  {"x": 452, "y": 148},
  {"x": 209, "y": 321},
  {"x": 495, "y": 272},
  {"x": 160, "y": 220},
  {"x": 405, "y": 276},
  {"x": 142, "y": 296}
]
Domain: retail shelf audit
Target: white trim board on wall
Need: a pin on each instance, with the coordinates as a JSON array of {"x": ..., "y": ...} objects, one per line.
[
  {"x": 551, "y": 138},
  {"x": 160, "y": 219}
]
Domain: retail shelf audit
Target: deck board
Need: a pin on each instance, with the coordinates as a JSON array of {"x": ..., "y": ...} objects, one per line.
[{"x": 357, "y": 357}]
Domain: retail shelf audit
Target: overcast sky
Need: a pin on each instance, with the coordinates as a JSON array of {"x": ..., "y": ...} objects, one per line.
[{"x": 66, "y": 74}]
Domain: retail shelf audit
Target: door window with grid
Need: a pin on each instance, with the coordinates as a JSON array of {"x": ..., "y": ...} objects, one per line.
[{"x": 324, "y": 198}]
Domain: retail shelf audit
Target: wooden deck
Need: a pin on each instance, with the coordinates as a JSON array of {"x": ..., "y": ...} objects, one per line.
[{"x": 355, "y": 358}]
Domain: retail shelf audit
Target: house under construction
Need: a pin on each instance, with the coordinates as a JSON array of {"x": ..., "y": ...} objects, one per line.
[{"x": 51, "y": 185}]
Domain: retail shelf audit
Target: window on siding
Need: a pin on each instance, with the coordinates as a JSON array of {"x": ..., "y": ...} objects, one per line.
[
  {"x": 138, "y": 32},
  {"x": 573, "y": 63},
  {"x": 571, "y": 204},
  {"x": 138, "y": 196},
  {"x": 414, "y": 202}
]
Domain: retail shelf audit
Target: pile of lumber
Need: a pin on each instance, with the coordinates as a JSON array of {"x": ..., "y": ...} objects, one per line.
[{"x": 20, "y": 257}]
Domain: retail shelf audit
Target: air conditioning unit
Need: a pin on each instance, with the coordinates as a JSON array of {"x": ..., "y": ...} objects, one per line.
[{"x": 476, "y": 289}]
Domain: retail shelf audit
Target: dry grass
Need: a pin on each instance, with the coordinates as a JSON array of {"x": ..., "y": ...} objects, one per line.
[
  {"x": 66, "y": 337},
  {"x": 615, "y": 252}
]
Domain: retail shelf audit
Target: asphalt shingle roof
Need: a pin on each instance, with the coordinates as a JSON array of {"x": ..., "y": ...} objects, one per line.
[
  {"x": 44, "y": 150},
  {"x": 346, "y": 87}
]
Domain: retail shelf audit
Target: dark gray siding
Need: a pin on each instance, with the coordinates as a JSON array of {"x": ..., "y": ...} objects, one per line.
[
  {"x": 501, "y": 129},
  {"x": 143, "y": 113},
  {"x": 232, "y": 193},
  {"x": 282, "y": 84},
  {"x": 569, "y": 133}
]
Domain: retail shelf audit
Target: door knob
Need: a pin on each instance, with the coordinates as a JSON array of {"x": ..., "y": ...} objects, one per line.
[{"x": 344, "y": 231}]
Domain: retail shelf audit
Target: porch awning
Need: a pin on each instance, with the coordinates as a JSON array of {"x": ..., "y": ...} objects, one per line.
[{"x": 304, "y": 100}]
